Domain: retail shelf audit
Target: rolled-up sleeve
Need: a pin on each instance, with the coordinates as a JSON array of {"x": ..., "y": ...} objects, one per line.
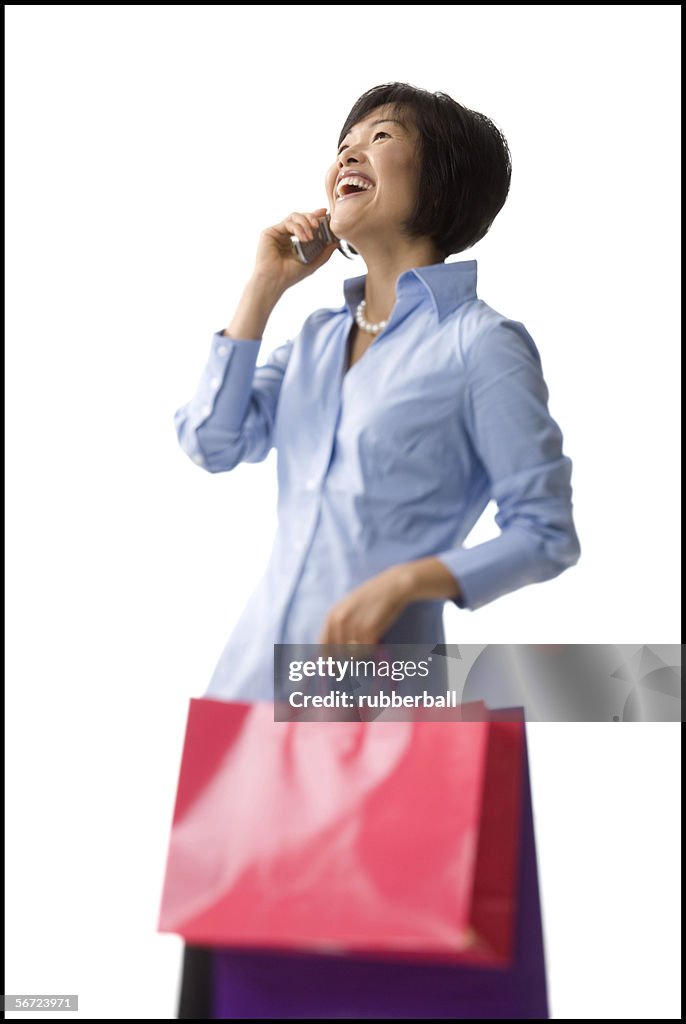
[
  {"x": 519, "y": 446},
  {"x": 230, "y": 419}
]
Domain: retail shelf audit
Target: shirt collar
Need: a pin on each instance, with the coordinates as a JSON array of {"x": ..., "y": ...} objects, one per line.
[{"x": 447, "y": 285}]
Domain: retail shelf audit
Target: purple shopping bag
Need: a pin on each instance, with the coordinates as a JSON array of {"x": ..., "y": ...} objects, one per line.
[{"x": 258, "y": 984}]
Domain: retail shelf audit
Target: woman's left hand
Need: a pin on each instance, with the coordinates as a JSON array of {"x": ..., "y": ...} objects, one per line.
[{"x": 364, "y": 615}]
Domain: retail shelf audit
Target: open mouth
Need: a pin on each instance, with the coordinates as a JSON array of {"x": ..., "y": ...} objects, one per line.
[{"x": 353, "y": 186}]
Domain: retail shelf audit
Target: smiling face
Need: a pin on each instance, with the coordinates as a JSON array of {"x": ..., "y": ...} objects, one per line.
[{"x": 372, "y": 185}]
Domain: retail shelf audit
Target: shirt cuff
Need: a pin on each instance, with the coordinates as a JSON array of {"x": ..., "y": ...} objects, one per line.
[
  {"x": 496, "y": 567},
  {"x": 223, "y": 392}
]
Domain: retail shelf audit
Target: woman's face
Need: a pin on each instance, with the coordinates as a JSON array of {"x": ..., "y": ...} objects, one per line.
[{"x": 386, "y": 155}]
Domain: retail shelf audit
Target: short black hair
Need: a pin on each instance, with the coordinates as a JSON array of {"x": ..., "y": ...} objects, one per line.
[{"x": 465, "y": 164}]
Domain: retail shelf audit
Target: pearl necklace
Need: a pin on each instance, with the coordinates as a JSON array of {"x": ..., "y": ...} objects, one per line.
[{"x": 363, "y": 324}]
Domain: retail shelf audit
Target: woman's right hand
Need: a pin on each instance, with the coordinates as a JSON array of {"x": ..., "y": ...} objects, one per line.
[{"x": 275, "y": 260}]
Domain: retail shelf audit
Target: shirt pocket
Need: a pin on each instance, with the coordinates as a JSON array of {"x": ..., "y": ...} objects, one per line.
[{"x": 405, "y": 461}]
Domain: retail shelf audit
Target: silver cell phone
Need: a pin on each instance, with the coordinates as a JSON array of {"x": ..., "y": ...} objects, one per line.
[{"x": 323, "y": 236}]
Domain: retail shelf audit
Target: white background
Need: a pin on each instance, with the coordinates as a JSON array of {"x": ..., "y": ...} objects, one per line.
[{"x": 147, "y": 146}]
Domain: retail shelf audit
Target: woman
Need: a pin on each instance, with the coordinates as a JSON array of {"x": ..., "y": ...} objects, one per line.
[{"x": 396, "y": 416}]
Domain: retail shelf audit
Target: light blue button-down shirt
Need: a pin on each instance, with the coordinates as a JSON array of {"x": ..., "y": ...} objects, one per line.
[{"x": 393, "y": 460}]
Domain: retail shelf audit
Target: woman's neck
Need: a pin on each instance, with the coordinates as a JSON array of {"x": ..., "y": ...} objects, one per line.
[{"x": 384, "y": 267}]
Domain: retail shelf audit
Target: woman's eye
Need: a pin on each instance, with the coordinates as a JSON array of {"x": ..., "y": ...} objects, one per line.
[{"x": 375, "y": 135}]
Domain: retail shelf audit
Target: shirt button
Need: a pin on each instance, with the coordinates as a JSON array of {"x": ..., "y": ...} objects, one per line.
[
  {"x": 198, "y": 458},
  {"x": 311, "y": 484},
  {"x": 206, "y": 410},
  {"x": 215, "y": 382},
  {"x": 222, "y": 350}
]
